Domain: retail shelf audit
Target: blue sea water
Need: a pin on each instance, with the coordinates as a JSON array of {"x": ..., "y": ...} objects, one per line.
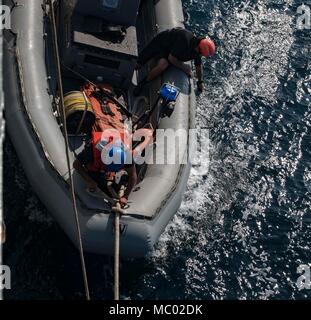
[{"x": 245, "y": 223}]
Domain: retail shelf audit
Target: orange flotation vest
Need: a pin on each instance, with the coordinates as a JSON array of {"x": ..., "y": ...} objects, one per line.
[
  {"x": 97, "y": 164},
  {"x": 109, "y": 126},
  {"x": 112, "y": 118}
]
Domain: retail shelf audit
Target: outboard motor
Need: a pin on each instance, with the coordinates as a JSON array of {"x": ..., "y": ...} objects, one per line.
[{"x": 98, "y": 39}]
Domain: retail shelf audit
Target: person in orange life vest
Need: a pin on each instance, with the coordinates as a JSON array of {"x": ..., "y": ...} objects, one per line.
[
  {"x": 101, "y": 157},
  {"x": 175, "y": 47},
  {"x": 109, "y": 140}
]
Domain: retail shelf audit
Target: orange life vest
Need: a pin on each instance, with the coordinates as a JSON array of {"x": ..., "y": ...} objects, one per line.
[
  {"x": 108, "y": 127},
  {"x": 96, "y": 164},
  {"x": 111, "y": 119}
]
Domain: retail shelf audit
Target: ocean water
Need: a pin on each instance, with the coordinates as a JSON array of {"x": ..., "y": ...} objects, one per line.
[{"x": 245, "y": 223}]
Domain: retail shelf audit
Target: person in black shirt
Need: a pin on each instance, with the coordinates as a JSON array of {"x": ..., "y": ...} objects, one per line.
[{"x": 175, "y": 46}]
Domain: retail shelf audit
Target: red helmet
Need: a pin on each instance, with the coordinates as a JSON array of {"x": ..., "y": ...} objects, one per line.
[{"x": 207, "y": 47}]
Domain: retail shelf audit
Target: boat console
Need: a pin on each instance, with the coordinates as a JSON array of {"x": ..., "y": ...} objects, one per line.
[{"x": 99, "y": 39}]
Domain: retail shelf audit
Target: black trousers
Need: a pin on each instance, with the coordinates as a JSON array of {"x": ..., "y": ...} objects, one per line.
[
  {"x": 154, "y": 50},
  {"x": 101, "y": 179}
]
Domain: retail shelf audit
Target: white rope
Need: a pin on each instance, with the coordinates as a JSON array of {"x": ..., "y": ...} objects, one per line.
[
  {"x": 74, "y": 203},
  {"x": 117, "y": 256},
  {"x": 117, "y": 210}
]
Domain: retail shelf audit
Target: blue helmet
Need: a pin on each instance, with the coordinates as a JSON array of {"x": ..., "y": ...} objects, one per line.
[{"x": 118, "y": 155}]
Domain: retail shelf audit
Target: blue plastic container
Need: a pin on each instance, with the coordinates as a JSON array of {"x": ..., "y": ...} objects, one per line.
[{"x": 169, "y": 92}]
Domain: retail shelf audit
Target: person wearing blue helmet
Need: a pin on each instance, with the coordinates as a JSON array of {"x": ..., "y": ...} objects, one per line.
[
  {"x": 119, "y": 154},
  {"x": 99, "y": 161}
]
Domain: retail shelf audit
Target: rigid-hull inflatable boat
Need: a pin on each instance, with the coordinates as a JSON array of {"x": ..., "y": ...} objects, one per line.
[{"x": 30, "y": 87}]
